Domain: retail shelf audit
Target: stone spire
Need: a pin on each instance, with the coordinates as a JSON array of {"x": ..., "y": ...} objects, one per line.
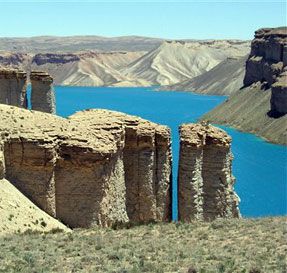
[
  {"x": 205, "y": 181},
  {"x": 42, "y": 95}
]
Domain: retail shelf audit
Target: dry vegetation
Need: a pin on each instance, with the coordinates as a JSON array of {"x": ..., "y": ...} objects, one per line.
[{"x": 221, "y": 246}]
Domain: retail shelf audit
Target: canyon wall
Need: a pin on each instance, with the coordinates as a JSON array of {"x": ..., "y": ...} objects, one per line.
[
  {"x": 260, "y": 107},
  {"x": 205, "y": 181},
  {"x": 13, "y": 85},
  {"x": 267, "y": 64},
  {"x": 79, "y": 169},
  {"x": 267, "y": 57}
]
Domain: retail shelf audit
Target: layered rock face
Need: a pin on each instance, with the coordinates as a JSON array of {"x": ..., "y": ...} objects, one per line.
[
  {"x": 205, "y": 181},
  {"x": 13, "y": 84},
  {"x": 146, "y": 154},
  {"x": 42, "y": 94},
  {"x": 279, "y": 96},
  {"x": 80, "y": 169},
  {"x": 13, "y": 87},
  {"x": 268, "y": 56}
]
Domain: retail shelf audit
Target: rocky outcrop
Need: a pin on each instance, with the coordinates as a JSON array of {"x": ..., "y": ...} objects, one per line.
[
  {"x": 53, "y": 58},
  {"x": 13, "y": 87},
  {"x": 267, "y": 57},
  {"x": 205, "y": 181},
  {"x": 95, "y": 168},
  {"x": 13, "y": 84},
  {"x": 279, "y": 96},
  {"x": 42, "y": 94}
]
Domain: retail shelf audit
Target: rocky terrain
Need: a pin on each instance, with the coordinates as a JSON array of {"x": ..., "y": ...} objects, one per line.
[
  {"x": 205, "y": 181},
  {"x": 166, "y": 62},
  {"x": 260, "y": 107},
  {"x": 97, "y": 167},
  {"x": 223, "y": 79}
]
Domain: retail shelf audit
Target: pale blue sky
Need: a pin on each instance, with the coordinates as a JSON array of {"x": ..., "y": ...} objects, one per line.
[{"x": 166, "y": 19}]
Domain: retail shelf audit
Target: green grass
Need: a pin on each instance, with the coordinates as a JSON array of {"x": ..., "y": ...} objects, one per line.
[{"x": 250, "y": 246}]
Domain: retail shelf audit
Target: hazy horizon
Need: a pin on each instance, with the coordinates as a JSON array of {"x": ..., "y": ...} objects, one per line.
[{"x": 198, "y": 20}]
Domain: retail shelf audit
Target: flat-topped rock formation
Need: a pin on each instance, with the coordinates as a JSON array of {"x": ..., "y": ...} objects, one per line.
[
  {"x": 268, "y": 56},
  {"x": 42, "y": 94},
  {"x": 95, "y": 168},
  {"x": 260, "y": 107},
  {"x": 13, "y": 85},
  {"x": 205, "y": 181},
  {"x": 13, "y": 90}
]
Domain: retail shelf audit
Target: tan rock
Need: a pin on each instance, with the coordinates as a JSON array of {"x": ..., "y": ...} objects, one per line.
[
  {"x": 42, "y": 93},
  {"x": 78, "y": 170},
  {"x": 205, "y": 181},
  {"x": 13, "y": 87},
  {"x": 267, "y": 57}
]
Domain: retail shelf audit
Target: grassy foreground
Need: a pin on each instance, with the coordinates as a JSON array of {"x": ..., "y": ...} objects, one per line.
[{"x": 221, "y": 246}]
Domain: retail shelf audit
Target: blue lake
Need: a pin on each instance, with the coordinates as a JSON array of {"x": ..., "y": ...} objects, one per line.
[{"x": 259, "y": 167}]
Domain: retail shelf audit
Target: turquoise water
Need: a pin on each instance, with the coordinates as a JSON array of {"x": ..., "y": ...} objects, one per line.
[{"x": 259, "y": 167}]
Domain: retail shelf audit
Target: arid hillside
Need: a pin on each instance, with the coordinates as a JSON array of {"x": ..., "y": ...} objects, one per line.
[
  {"x": 223, "y": 79},
  {"x": 120, "y": 62},
  {"x": 222, "y": 246}
]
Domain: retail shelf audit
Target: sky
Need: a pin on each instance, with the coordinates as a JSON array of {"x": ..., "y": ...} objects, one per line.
[{"x": 163, "y": 19}]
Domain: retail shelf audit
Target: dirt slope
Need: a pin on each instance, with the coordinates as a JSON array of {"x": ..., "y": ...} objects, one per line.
[
  {"x": 223, "y": 79},
  {"x": 247, "y": 110},
  {"x": 18, "y": 213}
]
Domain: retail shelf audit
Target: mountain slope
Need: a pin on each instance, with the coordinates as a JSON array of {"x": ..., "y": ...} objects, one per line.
[
  {"x": 86, "y": 69},
  {"x": 223, "y": 79},
  {"x": 247, "y": 110},
  {"x": 174, "y": 62}
]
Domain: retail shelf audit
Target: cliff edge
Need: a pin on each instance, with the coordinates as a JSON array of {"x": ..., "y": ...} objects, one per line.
[{"x": 260, "y": 107}]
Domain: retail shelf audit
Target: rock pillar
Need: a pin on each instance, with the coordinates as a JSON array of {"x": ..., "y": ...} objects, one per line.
[
  {"x": 42, "y": 94},
  {"x": 13, "y": 87},
  {"x": 205, "y": 181}
]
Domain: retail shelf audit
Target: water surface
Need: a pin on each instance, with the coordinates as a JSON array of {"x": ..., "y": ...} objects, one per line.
[{"x": 259, "y": 167}]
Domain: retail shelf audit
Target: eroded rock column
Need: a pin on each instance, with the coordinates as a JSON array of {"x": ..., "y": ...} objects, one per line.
[
  {"x": 205, "y": 181},
  {"x": 13, "y": 87},
  {"x": 147, "y": 162},
  {"x": 42, "y": 94},
  {"x": 279, "y": 96}
]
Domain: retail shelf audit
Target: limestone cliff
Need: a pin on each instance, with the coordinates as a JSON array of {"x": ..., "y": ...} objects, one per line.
[
  {"x": 13, "y": 87},
  {"x": 95, "y": 168},
  {"x": 260, "y": 107},
  {"x": 42, "y": 93},
  {"x": 265, "y": 61},
  {"x": 205, "y": 181}
]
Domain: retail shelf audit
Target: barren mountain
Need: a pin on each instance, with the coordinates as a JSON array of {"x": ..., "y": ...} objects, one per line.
[
  {"x": 166, "y": 63},
  {"x": 174, "y": 62},
  {"x": 223, "y": 79},
  {"x": 55, "y": 44},
  {"x": 87, "y": 68}
]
